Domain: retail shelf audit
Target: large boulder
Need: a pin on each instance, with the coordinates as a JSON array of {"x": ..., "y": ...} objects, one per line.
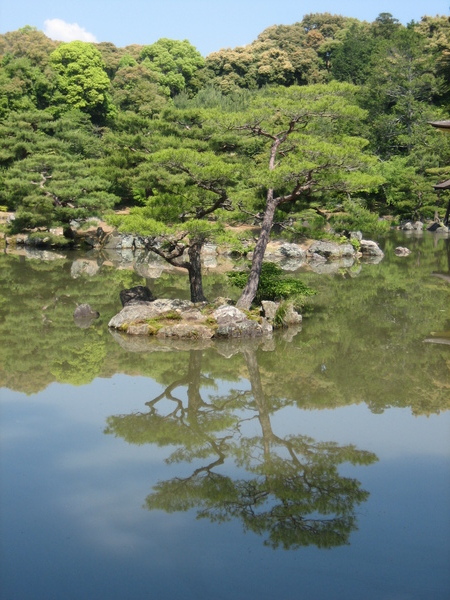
[
  {"x": 233, "y": 322},
  {"x": 293, "y": 251},
  {"x": 331, "y": 250},
  {"x": 138, "y": 312},
  {"x": 183, "y": 320},
  {"x": 370, "y": 248}
]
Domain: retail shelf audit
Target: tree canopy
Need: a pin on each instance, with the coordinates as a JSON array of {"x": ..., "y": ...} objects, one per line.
[{"x": 309, "y": 113}]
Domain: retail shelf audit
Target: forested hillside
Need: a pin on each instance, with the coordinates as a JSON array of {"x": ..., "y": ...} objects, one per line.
[{"x": 329, "y": 116}]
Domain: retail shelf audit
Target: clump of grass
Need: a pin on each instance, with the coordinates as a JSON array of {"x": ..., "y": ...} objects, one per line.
[{"x": 171, "y": 315}]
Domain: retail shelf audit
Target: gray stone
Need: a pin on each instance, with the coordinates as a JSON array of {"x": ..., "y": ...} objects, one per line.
[
  {"x": 224, "y": 322},
  {"x": 209, "y": 249},
  {"x": 229, "y": 314},
  {"x": 132, "y": 314},
  {"x": 113, "y": 241},
  {"x": 167, "y": 305},
  {"x": 186, "y": 331},
  {"x": 401, "y": 251},
  {"x": 192, "y": 315},
  {"x": 408, "y": 226},
  {"x": 370, "y": 248},
  {"x": 209, "y": 261},
  {"x": 293, "y": 251},
  {"x": 269, "y": 309},
  {"x": 126, "y": 256},
  {"x": 245, "y": 328},
  {"x": 331, "y": 250},
  {"x": 127, "y": 242}
]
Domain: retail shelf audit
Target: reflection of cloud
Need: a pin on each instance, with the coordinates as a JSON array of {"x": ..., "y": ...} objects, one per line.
[
  {"x": 57, "y": 29},
  {"x": 111, "y": 453},
  {"x": 113, "y": 518}
]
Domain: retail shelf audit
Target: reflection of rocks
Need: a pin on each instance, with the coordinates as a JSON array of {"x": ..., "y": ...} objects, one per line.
[
  {"x": 140, "y": 343},
  {"x": 371, "y": 260},
  {"x": 323, "y": 267},
  {"x": 84, "y": 267},
  {"x": 39, "y": 254},
  {"x": 354, "y": 271},
  {"x": 225, "y": 347},
  {"x": 289, "y": 334},
  {"x": 149, "y": 270},
  {"x": 291, "y": 264},
  {"x": 84, "y": 316}
]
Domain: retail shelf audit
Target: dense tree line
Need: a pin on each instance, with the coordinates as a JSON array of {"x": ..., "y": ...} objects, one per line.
[{"x": 323, "y": 115}]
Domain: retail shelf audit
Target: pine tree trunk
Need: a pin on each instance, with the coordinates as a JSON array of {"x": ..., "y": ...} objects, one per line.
[
  {"x": 251, "y": 286},
  {"x": 195, "y": 273}
]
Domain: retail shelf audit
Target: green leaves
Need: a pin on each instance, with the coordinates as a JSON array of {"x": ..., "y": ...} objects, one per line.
[
  {"x": 81, "y": 80},
  {"x": 52, "y": 173},
  {"x": 175, "y": 61},
  {"x": 273, "y": 284}
]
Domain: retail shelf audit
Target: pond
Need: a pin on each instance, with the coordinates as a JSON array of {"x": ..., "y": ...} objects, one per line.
[{"x": 311, "y": 465}]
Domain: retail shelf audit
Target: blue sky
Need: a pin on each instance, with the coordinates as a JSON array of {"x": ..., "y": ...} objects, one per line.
[{"x": 208, "y": 24}]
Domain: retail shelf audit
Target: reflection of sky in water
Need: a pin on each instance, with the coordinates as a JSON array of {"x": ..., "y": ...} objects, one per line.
[{"x": 73, "y": 525}]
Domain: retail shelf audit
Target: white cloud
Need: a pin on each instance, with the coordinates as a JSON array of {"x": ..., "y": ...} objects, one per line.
[{"x": 57, "y": 29}]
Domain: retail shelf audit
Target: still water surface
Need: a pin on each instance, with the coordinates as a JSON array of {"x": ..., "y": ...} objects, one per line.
[{"x": 314, "y": 465}]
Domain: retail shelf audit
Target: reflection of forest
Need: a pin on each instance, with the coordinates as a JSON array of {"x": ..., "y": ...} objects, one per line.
[
  {"x": 288, "y": 489},
  {"x": 362, "y": 343}
]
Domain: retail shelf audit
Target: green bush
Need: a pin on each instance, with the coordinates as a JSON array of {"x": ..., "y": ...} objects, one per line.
[
  {"x": 358, "y": 218},
  {"x": 273, "y": 284},
  {"x": 47, "y": 239}
]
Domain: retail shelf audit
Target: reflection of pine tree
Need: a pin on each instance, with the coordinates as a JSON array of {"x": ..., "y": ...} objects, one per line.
[{"x": 293, "y": 493}]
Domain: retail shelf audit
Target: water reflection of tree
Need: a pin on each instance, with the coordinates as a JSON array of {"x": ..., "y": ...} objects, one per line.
[{"x": 288, "y": 489}]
